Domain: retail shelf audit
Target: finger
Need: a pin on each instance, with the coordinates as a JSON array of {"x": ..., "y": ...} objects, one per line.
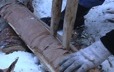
[
  {"x": 83, "y": 68},
  {"x": 110, "y": 11},
  {"x": 66, "y": 58},
  {"x": 66, "y": 64},
  {"x": 110, "y": 17},
  {"x": 76, "y": 65},
  {"x": 110, "y": 20}
]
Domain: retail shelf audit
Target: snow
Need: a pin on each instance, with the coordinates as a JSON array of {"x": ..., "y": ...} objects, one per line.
[
  {"x": 42, "y": 8},
  {"x": 27, "y": 61}
]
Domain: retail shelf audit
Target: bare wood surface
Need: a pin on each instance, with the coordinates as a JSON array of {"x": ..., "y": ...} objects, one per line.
[
  {"x": 70, "y": 15},
  {"x": 55, "y": 14}
]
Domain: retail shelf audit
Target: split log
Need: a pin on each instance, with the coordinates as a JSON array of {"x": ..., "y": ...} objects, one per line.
[
  {"x": 69, "y": 20},
  {"x": 56, "y": 15}
]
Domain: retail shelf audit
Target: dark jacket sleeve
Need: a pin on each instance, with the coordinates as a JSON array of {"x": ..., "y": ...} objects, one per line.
[
  {"x": 108, "y": 41},
  {"x": 90, "y": 3}
]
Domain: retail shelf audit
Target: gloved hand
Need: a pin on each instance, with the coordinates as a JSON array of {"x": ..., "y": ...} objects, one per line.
[
  {"x": 85, "y": 59},
  {"x": 110, "y": 15},
  {"x": 108, "y": 11}
]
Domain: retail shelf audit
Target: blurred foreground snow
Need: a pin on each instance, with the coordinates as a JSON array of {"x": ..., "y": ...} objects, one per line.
[
  {"x": 43, "y": 7},
  {"x": 27, "y": 62}
]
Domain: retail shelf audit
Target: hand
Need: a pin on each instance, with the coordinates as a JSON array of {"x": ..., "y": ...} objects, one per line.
[
  {"x": 110, "y": 15},
  {"x": 85, "y": 59},
  {"x": 108, "y": 11}
]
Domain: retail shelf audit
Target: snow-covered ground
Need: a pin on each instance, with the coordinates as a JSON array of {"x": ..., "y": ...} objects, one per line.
[
  {"x": 27, "y": 62},
  {"x": 43, "y": 7}
]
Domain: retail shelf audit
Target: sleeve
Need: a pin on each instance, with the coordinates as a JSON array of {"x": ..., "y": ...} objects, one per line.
[
  {"x": 108, "y": 41},
  {"x": 90, "y": 3}
]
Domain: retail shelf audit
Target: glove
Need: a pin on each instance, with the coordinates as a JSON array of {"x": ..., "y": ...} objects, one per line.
[
  {"x": 85, "y": 59},
  {"x": 110, "y": 15},
  {"x": 108, "y": 11}
]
